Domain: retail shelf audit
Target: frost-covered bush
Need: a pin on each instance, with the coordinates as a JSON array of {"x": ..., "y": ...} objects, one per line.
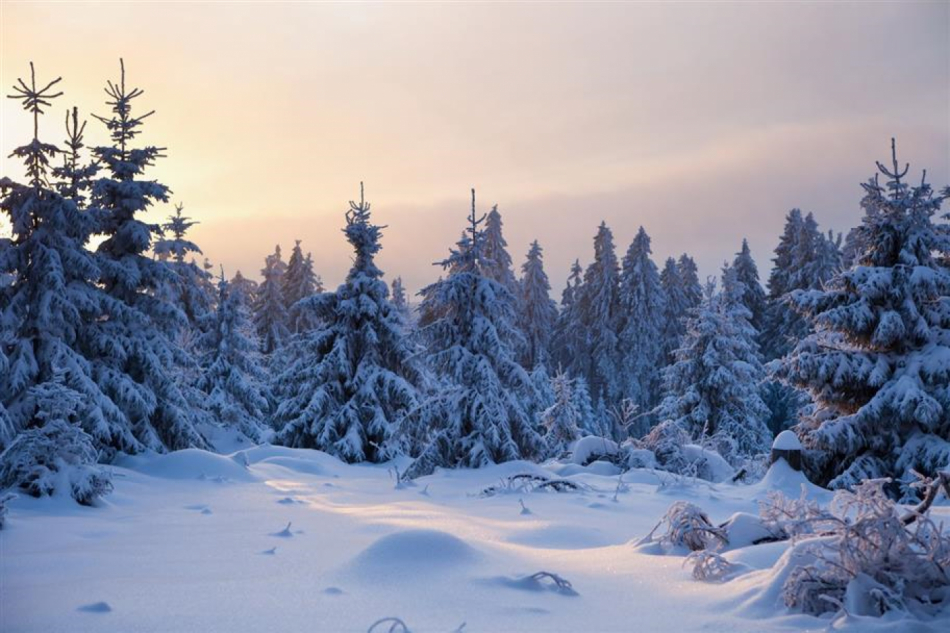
[
  {"x": 687, "y": 525},
  {"x": 674, "y": 453},
  {"x": 56, "y": 457},
  {"x": 790, "y": 518},
  {"x": 709, "y": 566},
  {"x": 871, "y": 560},
  {"x": 666, "y": 441}
]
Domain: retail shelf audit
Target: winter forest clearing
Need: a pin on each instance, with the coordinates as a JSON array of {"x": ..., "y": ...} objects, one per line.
[{"x": 185, "y": 448}]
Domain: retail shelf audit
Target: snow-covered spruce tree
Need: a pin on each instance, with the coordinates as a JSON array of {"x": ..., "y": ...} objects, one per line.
[
  {"x": 348, "y": 385},
  {"x": 52, "y": 298},
  {"x": 753, "y": 295},
  {"x": 496, "y": 260},
  {"x": 133, "y": 356},
  {"x": 599, "y": 361},
  {"x": 232, "y": 376},
  {"x": 189, "y": 288},
  {"x": 642, "y": 302},
  {"x": 587, "y": 421},
  {"x": 400, "y": 301},
  {"x": 804, "y": 260},
  {"x": 299, "y": 282},
  {"x": 568, "y": 340},
  {"x": 480, "y": 414},
  {"x": 537, "y": 311},
  {"x": 878, "y": 364},
  {"x": 248, "y": 287},
  {"x": 560, "y": 420},
  {"x": 270, "y": 311},
  {"x": 689, "y": 275},
  {"x": 712, "y": 390}
]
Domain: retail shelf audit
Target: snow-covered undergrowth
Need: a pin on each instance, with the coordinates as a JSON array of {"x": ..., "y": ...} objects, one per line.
[{"x": 274, "y": 538}]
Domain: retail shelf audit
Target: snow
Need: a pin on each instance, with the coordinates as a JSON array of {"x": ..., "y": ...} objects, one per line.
[
  {"x": 787, "y": 441},
  {"x": 274, "y": 538}
]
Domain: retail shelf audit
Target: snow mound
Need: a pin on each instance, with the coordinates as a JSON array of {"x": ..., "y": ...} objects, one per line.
[
  {"x": 190, "y": 463},
  {"x": 413, "y": 553},
  {"x": 788, "y": 481},
  {"x": 590, "y": 448},
  {"x": 710, "y": 465},
  {"x": 787, "y": 441},
  {"x": 296, "y": 464}
]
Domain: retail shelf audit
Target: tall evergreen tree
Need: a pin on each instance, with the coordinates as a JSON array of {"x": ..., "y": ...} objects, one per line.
[
  {"x": 496, "y": 260},
  {"x": 599, "y": 311},
  {"x": 481, "y": 414},
  {"x": 188, "y": 288},
  {"x": 568, "y": 340},
  {"x": 878, "y": 363},
  {"x": 560, "y": 420},
  {"x": 270, "y": 311},
  {"x": 712, "y": 389},
  {"x": 689, "y": 274},
  {"x": 642, "y": 301},
  {"x": 537, "y": 310},
  {"x": 675, "y": 310},
  {"x": 298, "y": 282},
  {"x": 248, "y": 287},
  {"x": 232, "y": 376},
  {"x": 753, "y": 296},
  {"x": 399, "y": 299},
  {"x": 133, "y": 352},
  {"x": 351, "y": 382}
]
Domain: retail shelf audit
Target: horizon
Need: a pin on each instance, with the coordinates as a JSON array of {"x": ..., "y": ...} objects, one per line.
[{"x": 533, "y": 111}]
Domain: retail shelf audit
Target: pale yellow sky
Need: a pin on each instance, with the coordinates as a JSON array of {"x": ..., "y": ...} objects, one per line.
[{"x": 704, "y": 123}]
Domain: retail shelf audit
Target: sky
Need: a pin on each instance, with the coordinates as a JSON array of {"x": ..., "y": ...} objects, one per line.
[{"x": 704, "y": 123}]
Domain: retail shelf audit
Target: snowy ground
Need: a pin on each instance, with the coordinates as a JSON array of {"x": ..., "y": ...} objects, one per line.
[{"x": 194, "y": 541}]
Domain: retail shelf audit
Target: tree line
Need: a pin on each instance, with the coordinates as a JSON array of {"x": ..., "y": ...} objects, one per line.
[{"x": 131, "y": 345}]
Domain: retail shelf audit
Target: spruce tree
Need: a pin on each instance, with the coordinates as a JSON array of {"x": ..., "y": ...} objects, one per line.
[
  {"x": 188, "y": 288},
  {"x": 561, "y": 419},
  {"x": 496, "y": 260},
  {"x": 248, "y": 287},
  {"x": 753, "y": 296},
  {"x": 689, "y": 275},
  {"x": 642, "y": 302},
  {"x": 599, "y": 308},
  {"x": 537, "y": 310},
  {"x": 298, "y": 282},
  {"x": 675, "y": 309},
  {"x": 400, "y": 302},
  {"x": 270, "y": 311},
  {"x": 350, "y": 383},
  {"x": 712, "y": 389},
  {"x": 132, "y": 349},
  {"x": 232, "y": 376},
  {"x": 877, "y": 364},
  {"x": 568, "y": 340},
  {"x": 481, "y": 413}
]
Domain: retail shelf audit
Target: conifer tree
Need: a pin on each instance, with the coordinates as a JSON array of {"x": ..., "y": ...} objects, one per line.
[
  {"x": 568, "y": 339},
  {"x": 299, "y": 282},
  {"x": 497, "y": 262},
  {"x": 132, "y": 350},
  {"x": 537, "y": 310},
  {"x": 481, "y": 413},
  {"x": 877, "y": 363},
  {"x": 675, "y": 309},
  {"x": 400, "y": 302},
  {"x": 561, "y": 419},
  {"x": 188, "y": 287},
  {"x": 689, "y": 275},
  {"x": 350, "y": 383},
  {"x": 642, "y": 302},
  {"x": 712, "y": 388},
  {"x": 270, "y": 311},
  {"x": 753, "y": 296},
  {"x": 232, "y": 376},
  {"x": 599, "y": 318},
  {"x": 247, "y": 287}
]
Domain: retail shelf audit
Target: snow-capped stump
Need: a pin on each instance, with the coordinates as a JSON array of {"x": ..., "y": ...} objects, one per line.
[{"x": 788, "y": 447}]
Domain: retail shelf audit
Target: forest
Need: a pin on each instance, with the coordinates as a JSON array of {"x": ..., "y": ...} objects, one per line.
[{"x": 120, "y": 341}]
